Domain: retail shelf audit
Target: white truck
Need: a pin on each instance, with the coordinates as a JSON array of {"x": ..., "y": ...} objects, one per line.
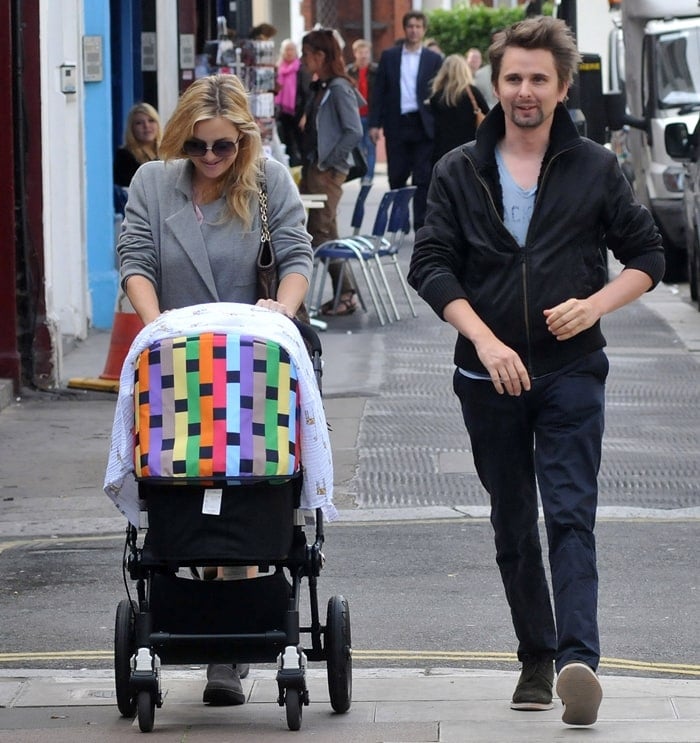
[{"x": 655, "y": 63}]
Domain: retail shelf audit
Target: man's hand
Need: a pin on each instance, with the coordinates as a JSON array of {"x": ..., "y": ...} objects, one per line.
[
  {"x": 375, "y": 133},
  {"x": 507, "y": 371},
  {"x": 571, "y": 318},
  {"x": 504, "y": 366}
]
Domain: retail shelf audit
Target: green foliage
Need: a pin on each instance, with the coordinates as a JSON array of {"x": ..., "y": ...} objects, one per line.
[{"x": 465, "y": 26}]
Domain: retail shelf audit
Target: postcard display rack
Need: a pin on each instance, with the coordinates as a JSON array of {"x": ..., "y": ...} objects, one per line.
[{"x": 254, "y": 63}]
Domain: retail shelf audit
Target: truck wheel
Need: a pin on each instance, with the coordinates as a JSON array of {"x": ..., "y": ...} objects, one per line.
[
  {"x": 694, "y": 271},
  {"x": 692, "y": 276},
  {"x": 676, "y": 266}
]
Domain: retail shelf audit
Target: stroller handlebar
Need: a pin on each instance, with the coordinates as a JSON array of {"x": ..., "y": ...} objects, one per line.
[
  {"x": 313, "y": 343},
  {"x": 310, "y": 336}
]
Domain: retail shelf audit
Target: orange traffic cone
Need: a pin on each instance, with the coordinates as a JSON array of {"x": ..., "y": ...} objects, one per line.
[{"x": 126, "y": 327}]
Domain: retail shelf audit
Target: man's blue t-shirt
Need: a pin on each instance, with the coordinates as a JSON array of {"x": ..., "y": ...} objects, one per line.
[{"x": 518, "y": 203}]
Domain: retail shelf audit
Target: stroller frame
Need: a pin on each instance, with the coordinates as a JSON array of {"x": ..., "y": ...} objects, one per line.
[{"x": 195, "y": 631}]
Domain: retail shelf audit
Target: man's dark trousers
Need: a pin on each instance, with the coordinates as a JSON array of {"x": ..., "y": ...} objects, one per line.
[
  {"x": 562, "y": 416},
  {"x": 409, "y": 152}
]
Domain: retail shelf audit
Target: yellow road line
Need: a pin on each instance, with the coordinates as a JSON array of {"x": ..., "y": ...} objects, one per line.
[
  {"x": 12, "y": 545},
  {"x": 619, "y": 663},
  {"x": 57, "y": 655},
  {"x": 444, "y": 654},
  {"x": 680, "y": 669},
  {"x": 676, "y": 669},
  {"x": 347, "y": 521},
  {"x": 59, "y": 540}
]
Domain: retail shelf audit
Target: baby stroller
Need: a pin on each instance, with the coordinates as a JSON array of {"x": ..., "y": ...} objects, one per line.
[{"x": 219, "y": 430}]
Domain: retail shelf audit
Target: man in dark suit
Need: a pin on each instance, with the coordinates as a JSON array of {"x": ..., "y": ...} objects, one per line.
[{"x": 399, "y": 107}]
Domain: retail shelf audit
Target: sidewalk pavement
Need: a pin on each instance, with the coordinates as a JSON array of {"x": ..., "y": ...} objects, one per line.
[{"x": 389, "y": 704}]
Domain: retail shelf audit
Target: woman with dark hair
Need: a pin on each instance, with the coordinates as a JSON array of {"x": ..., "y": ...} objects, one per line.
[{"x": 332, "y": 129}]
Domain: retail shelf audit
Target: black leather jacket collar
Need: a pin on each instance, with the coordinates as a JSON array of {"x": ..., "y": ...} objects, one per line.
[{"x": 563, "y": 135}]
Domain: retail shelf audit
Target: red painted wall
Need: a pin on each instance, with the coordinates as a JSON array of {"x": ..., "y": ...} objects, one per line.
[
  {"x": 9, "y": 354},
  {"x": 38, "y": 351}
]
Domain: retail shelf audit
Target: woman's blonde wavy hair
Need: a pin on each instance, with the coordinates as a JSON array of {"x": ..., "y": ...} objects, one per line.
[
  {"x": 453, "y": 78},
  {"x": 131, "y": 143},
  {"x": 220, "y": 96}
]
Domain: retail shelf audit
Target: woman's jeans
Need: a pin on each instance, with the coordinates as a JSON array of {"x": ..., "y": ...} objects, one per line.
[
  {"x": 322, "y": 223},
  {"x": 549, "y": 437},
  {"x": 369, "y": 148}
]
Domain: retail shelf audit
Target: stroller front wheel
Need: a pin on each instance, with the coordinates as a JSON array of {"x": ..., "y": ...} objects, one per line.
[
  {"x": 146, "y": 711},
  {"x": 293, "y": 702}
]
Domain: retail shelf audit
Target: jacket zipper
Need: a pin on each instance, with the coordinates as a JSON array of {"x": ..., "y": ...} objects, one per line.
[
  {"x": 526, "y": 294},
  {"x": 523, "y": 250}
]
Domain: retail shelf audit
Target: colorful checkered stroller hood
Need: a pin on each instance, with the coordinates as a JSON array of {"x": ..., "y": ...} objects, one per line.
[{"x": 219, "y": 390}]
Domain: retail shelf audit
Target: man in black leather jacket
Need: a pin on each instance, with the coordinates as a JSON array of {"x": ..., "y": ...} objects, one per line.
[{"x": 512, "y": 255}]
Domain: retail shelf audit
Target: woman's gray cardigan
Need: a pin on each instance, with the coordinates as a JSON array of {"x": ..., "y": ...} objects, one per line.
[
  {"x": 162, "y": 240},
  {"x": 338, "y": 125}
]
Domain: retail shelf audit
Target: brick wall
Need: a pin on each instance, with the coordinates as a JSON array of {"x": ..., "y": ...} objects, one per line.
[{"x": 386, "y": 22}]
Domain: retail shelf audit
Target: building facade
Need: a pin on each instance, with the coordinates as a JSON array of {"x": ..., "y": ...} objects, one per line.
[{"x": 72, "y": 69}]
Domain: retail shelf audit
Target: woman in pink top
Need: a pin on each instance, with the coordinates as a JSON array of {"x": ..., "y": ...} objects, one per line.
[{"x": 286, "y": 100}]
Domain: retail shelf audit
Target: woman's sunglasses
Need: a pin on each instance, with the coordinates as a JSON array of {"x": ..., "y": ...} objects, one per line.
[{"x": 220, "y": 148}]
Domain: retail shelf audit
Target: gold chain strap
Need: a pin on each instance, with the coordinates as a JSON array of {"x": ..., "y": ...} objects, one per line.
[{"x": 264, "y": 227}]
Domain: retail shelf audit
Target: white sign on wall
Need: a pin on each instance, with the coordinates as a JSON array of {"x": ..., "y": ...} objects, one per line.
[
  {"x": 93, "y": 59},
  {"x": 187, "y": 52},
  {"x": 149, "y": 48}
]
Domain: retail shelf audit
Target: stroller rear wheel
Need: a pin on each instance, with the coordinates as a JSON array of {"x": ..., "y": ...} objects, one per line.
[
  {"x": 124, "y": 648},
  {"x": 339, "y": 654},
  {"x": 147, "y": 711}
]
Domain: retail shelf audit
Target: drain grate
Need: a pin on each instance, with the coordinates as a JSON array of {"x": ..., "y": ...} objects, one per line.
[{"x": 651, "y": 448}]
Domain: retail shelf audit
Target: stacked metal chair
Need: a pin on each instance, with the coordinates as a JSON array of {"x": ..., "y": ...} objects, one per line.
[
  {"x": 360, "y": 248},
  {"x": 397, "y": 230}
]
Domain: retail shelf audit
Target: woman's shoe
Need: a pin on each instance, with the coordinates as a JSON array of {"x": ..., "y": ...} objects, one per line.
[
  {"x": 346, "y": 306},
  {"x": 224, "y": 688}
]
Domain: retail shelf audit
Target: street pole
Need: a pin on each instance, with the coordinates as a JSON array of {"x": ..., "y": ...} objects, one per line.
[
  {"x": 567, "y": 12},
  {"x": 367, "y": 20}
]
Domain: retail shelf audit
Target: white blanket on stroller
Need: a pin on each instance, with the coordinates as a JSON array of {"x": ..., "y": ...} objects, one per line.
[{"x": 224, "y": 317}]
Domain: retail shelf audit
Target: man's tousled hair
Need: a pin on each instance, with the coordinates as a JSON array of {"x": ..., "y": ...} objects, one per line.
[{"x": 541, "y": 32}]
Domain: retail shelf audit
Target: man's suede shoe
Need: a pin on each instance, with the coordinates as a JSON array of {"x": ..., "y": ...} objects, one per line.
[
  {"x": 580, "y": 693},
  {"x": 534, "y": 689},
  {"x": 224, "y": 686}
]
